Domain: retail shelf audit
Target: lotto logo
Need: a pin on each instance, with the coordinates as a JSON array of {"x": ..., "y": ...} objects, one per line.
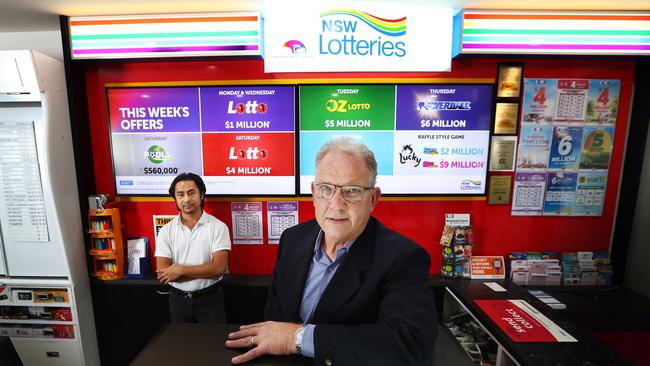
[
  {"x": 252, "y": 153},
  {"x": 250, "y": 107}
]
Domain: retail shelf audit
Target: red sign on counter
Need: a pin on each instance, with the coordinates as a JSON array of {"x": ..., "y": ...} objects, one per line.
[{"x": 522, "y": 322}]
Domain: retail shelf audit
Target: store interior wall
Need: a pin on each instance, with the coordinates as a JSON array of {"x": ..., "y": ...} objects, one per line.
[
  {"x": 46, "y": 42},
  {"x": 637, "y": 277}
]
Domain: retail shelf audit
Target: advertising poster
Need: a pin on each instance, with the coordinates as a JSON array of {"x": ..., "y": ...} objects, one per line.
[
  {"x": 435, "y": 137},
  {"x": 534, "y": 147},
  {"x": 487, "y": 267},
  {"x": 364, "y": 112},
  {"x": 571, "y": 100},
  {"x": 590, "y": 194},
  {"x": 502, "y": 153},
  {"x": 539, "y": 100},
  {"x": 442, "y": 138},
  {"x": 602, "y": 104},
  {"x": 246, "y": 222},
  {"x": 247, "y": 109},
  {"x": 560, "y": 193},
  {"x": 565, "y": 148},
  {"x": 232, "y": 136},
  {"x": 155, "y": 135},
  {"x": 158, "y": 222},
  {"x": 596, "y": 148},
  {"x": 522, "y": 322},
  {"x": 280, "y": 216},
  {"x": 528, "y": 194}
]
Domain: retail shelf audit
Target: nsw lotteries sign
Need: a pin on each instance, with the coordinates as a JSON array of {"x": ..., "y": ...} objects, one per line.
[{"x": 324, "y": 36}]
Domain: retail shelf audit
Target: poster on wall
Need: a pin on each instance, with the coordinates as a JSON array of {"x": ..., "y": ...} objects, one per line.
[
  {"x": 246, "y": 222},
  {"x": 571, "y": 100},
  {"x": 280, "y": 216},
  {"x": 565, "y": 148},
  {"x": 602, "y": 105},
  {"x": 539, "y": 100},
  {"x": 534, "y": 147},
  {"x": 560, "y": 193},
  {"x": 597, "y": 148},
  {"x": 590, "y": 194},
  {"x": 581, "y": 113},
  {"x": 528, "y": 194},
  {"x": 240, "y": 139},
  {"x": 433, "y": 140}
]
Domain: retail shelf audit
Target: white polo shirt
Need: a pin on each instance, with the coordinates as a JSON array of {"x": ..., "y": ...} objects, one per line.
[{"x": 193, "y": 247}]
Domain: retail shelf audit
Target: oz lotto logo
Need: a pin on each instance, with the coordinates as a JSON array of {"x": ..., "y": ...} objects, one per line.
[{"x": 357, "y": 33}]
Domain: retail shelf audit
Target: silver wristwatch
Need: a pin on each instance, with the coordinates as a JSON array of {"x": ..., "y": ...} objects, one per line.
[{"x": 297, "y": 338}]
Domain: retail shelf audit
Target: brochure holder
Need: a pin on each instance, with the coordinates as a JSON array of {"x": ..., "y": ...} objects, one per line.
[{"x": 138, "y": 264}]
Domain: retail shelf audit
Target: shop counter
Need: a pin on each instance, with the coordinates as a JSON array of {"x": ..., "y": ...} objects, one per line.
[{"x": 589, "y": 312}]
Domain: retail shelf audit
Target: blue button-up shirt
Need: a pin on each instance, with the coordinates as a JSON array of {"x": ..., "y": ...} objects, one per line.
[{"x": 321, "y": 271}]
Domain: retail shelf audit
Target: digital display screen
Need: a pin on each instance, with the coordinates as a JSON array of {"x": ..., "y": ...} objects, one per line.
[
  {"x": 240, "y": 139},
  {"x": 427, "y": 139}
]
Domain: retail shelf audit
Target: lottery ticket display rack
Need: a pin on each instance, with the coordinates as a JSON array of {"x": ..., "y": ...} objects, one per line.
[{"x": 107, "y": 245}]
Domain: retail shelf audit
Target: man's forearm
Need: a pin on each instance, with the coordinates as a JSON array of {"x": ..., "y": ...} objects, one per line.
[{"x": 206, "y": 270}]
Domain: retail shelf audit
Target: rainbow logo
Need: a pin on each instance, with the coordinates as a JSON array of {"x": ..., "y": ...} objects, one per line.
[
  {"x": 295, "y": 46},
  {"x": 389, "y": 27}
]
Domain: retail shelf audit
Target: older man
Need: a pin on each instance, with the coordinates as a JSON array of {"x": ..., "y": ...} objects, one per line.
[{"x": 346, "y": 290}]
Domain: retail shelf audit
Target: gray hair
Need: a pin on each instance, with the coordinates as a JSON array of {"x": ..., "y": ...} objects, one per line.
[{"x": 352, "y": 147}]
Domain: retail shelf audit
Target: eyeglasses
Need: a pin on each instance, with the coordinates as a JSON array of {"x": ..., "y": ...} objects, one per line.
[{"x": 350, "y": 193}]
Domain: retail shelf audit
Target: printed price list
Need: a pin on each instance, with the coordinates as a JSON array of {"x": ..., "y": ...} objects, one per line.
[{"x": 23, "y": 213}]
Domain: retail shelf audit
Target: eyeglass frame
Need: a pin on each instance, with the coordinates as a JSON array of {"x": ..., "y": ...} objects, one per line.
[{"x": 340, "y": 188}]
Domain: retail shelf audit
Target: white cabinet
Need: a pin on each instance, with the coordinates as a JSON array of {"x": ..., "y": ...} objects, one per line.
[
  {"x": 42, "y": 252},
  {"x": 48, "y": 352}
]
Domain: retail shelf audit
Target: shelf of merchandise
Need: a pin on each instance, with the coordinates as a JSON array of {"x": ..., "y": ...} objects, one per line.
[
  {"x": 107, "y": 244},
  {"x": 26, "y": 298}
]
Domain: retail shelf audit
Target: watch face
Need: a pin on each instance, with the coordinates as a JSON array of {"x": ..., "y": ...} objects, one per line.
[{"x": 297, "y": 338}]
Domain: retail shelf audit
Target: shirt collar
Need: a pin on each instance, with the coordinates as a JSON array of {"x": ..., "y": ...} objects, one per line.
[
  {"x": 202, "y": 220},
  {"x": 318, "y": 248}
]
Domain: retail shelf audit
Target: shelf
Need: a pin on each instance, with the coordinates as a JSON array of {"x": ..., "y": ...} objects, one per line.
[
  {"x": 107, "y": 212},
  {"x": 101, "y": 234},
  {"x": 106, "y": 244},
  {"x": 36, "y": 321},
  {"x": 101, "y": 254},
  {"x": 42, "y": 304}
]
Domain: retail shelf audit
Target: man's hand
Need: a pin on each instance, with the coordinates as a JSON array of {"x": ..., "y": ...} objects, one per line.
[
  {"x": 268, "y": 338},
  {"x": 169, "y": 274}
]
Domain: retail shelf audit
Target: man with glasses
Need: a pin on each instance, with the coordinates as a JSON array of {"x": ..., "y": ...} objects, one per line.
[{"x": 346, "y": 290}]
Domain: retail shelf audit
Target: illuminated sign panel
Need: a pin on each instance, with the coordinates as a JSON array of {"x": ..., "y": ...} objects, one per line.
[
  {"x": 590, "y": 33},
  {"x": 165, "y": 35},
  {"x": 327, "y": 36}
]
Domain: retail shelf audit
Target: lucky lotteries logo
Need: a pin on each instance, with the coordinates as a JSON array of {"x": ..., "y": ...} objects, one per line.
[
  {"x": 157, "y": 154},
  {"x": 407, "y": 155},
  {"x": 295, "y": 46}
]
